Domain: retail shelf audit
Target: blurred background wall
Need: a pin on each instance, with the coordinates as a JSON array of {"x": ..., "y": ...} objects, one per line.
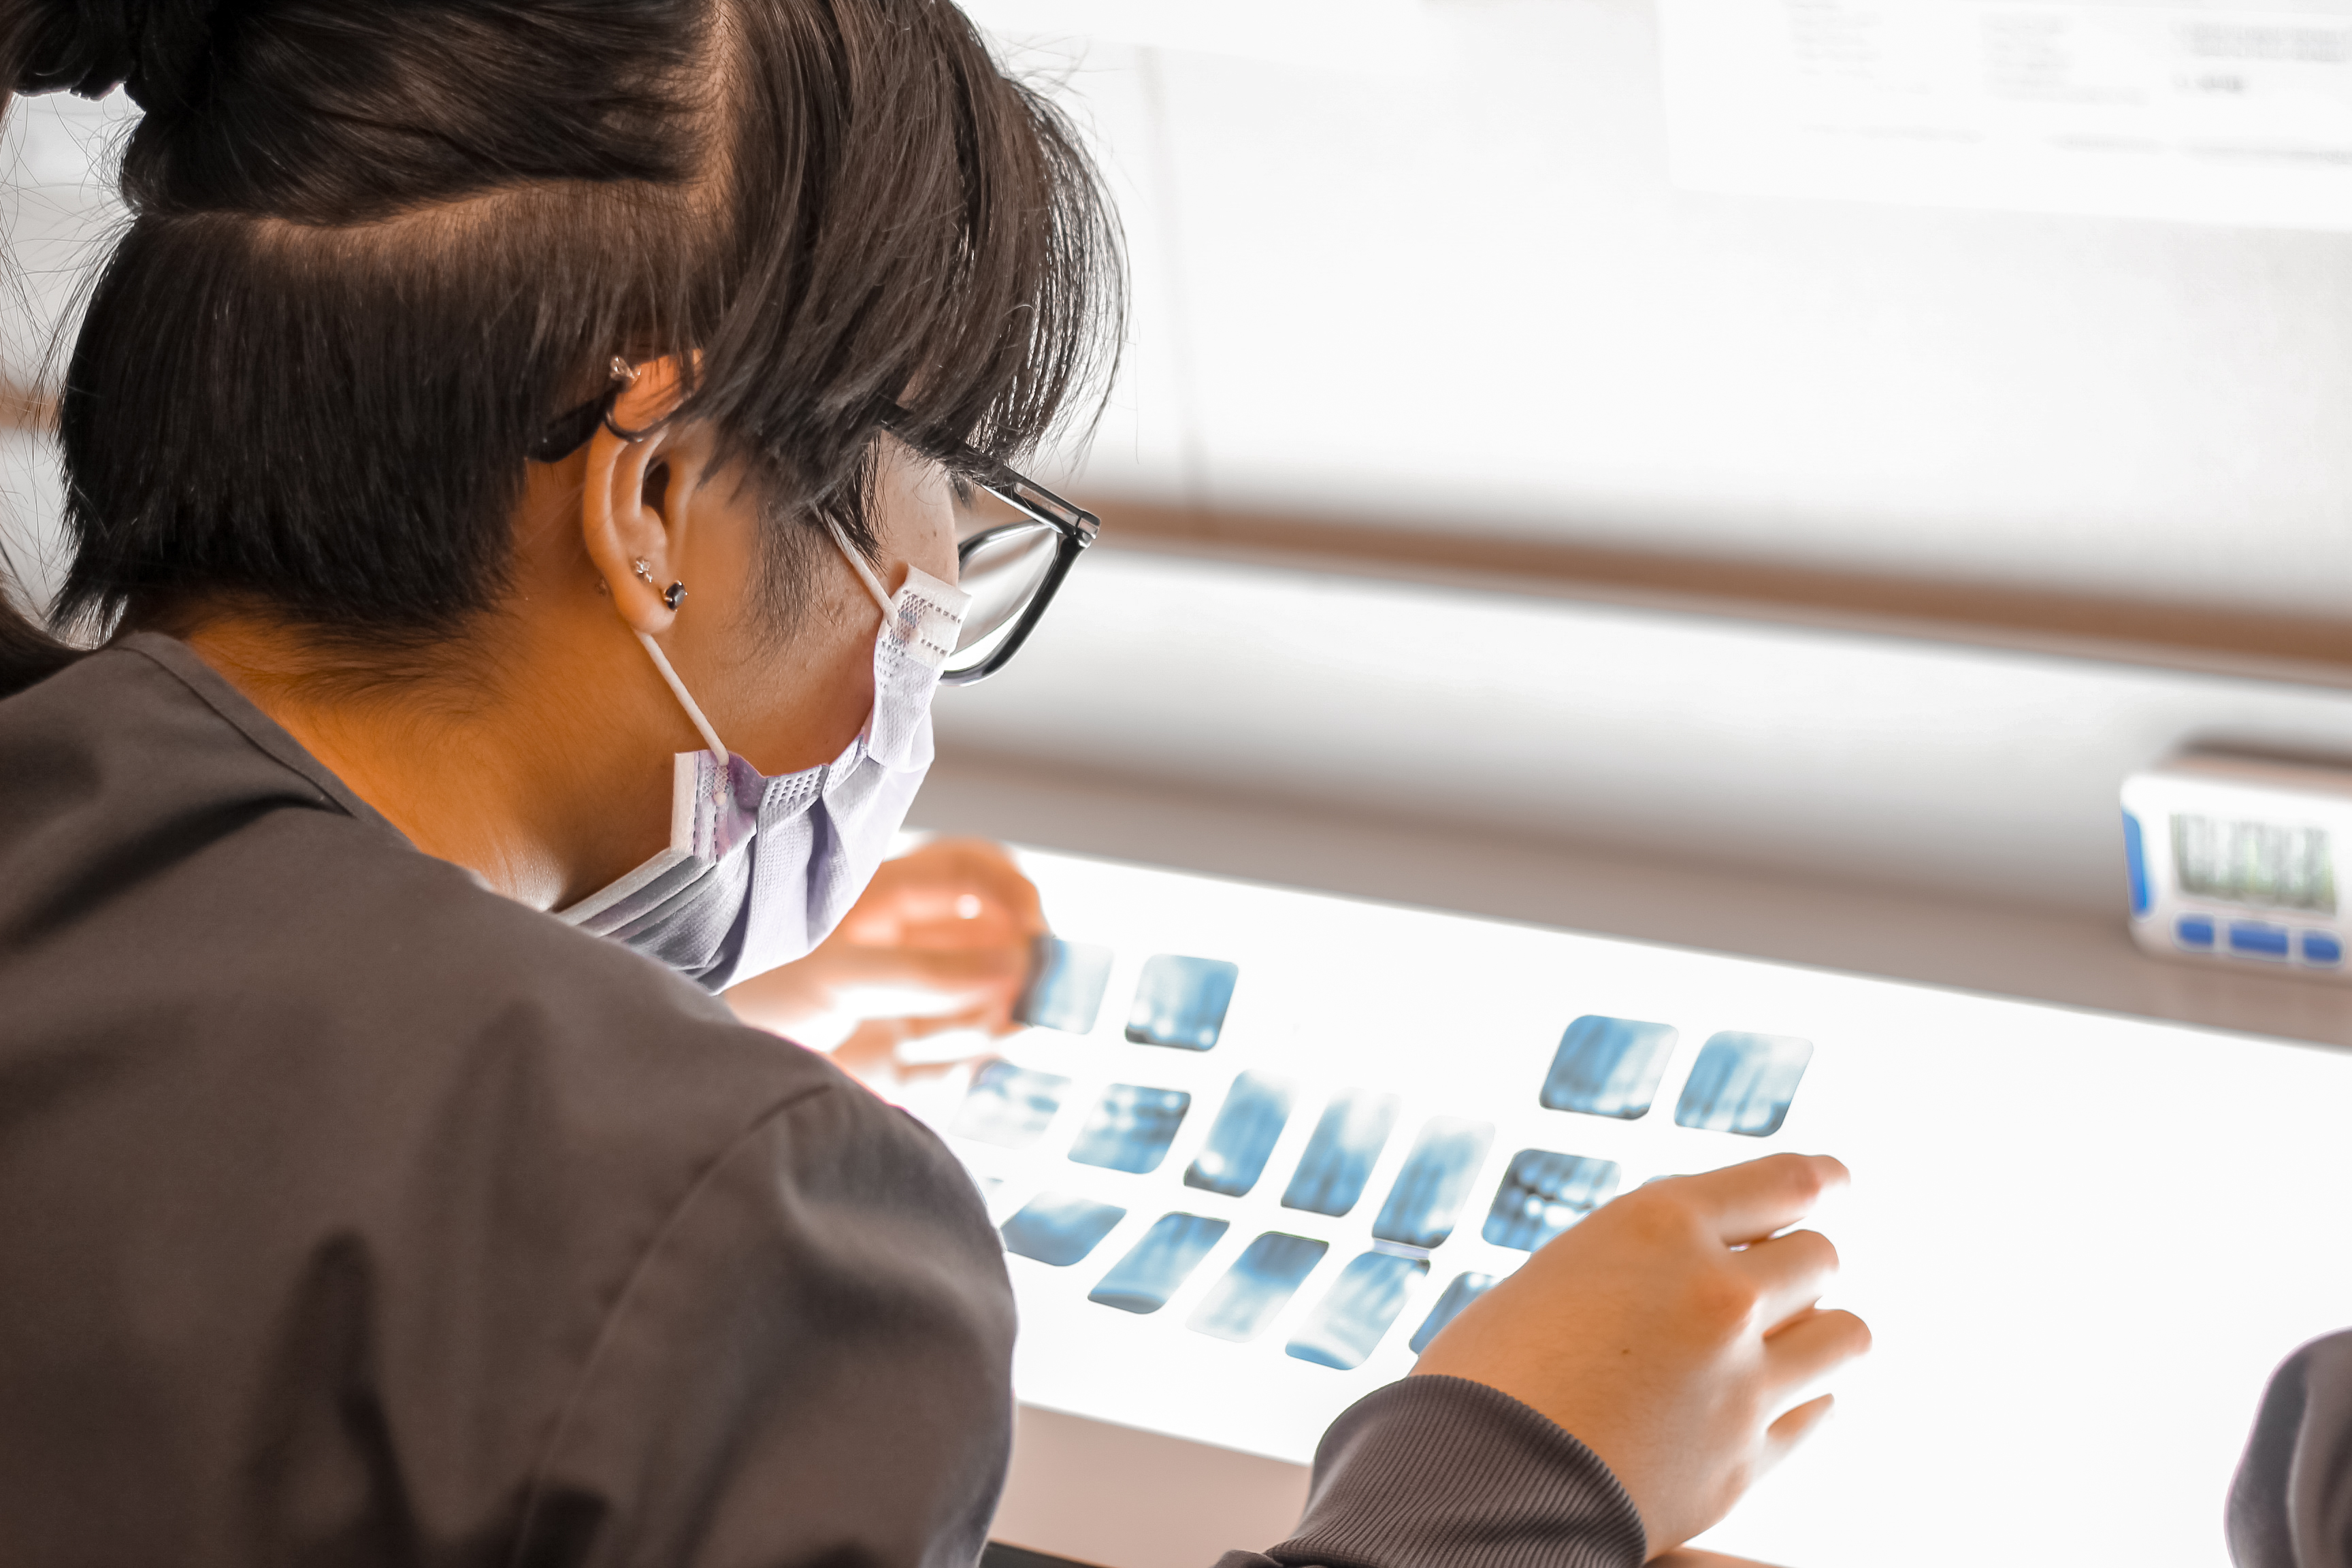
[{"x": 1495, "y": 520}]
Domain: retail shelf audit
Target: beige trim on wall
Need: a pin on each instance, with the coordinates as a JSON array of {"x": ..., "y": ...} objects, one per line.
[{"x": 2221, "y": 640}]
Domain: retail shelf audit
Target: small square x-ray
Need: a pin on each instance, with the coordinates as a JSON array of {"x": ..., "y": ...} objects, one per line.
[
  {"x": 1427, "y": 1197},
  {"x": 1257, "y": 1287},
  {"x": 1463, "y": 1290},
  {"x": 1743, "y": 1083},
  {"x": 1053, "y": 1229},
  {"x": 1181, "y": 1002},
  {"x": 1066, "y": 979},
  {"x": 1346, "y": 1324},
  {"x": 1156, "y": 1266},
  {"x": 1130, "y": 1127},
  {"x": 1543, "y": 1194},
  {"x": 1009, "y": 1106},
  {"x": 1341, "y": 1153},
  {"x": 1608, "y": 1067},
  {"x": 1248, "y": 1125}
]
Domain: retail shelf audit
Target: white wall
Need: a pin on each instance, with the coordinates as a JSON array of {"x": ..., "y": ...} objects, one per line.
[{"x": 1444, "y": 280}]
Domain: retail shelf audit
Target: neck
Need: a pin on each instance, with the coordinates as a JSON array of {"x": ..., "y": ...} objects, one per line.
[{"x": 487, "y": 751}]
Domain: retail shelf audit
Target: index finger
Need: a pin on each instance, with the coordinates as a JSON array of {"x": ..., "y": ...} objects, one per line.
[{"x": 1744, "y": 1204}]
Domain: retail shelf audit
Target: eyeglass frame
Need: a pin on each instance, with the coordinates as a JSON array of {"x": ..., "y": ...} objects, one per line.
[{"x": 1075, "y": 526}]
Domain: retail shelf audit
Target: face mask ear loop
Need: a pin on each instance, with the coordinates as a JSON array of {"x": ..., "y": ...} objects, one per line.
[
  {"x": 685, "y": 701},
  {"x": 865, "y": 573}
]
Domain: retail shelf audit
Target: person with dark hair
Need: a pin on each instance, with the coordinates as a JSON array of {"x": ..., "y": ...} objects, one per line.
[{"x": 510, "y": 452}]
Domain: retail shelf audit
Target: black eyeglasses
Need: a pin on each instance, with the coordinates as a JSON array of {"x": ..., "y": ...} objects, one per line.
[{"x": 1011, "y": 568}]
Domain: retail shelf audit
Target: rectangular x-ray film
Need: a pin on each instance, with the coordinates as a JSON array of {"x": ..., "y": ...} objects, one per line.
[
  {"x": 1181, "y": 1002},
  {"x": 1427, "y": 1197},
  {"x": 1463, "y": 1290},
  {"x": 1543, "y": 1194},
  {"x": 1058, "y": 1229},
  {"x": 1608, "y": 1067},
  {"x": 1364, "y": 1301},
  {"x": 1261, "y": 1282},
  {"x": 1067, "y": 981},
  {"x": 1743, "y": 1083},
  {"x": 1230, "y": 1246},
  {"x": 1009, "y": 1106},
  {"x": 1339, "y": 1156},
  {"x": 1130, "y": 1127},
  {"x": 1248, "y": 1126},
  {"x": 1144, "y": 1279}
]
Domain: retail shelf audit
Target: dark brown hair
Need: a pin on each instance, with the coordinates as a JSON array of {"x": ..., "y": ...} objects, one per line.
[{"x": 377, "y": 244}]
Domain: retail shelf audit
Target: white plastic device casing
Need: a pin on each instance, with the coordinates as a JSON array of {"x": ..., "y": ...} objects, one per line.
[{"x": 2171, "y": 922}]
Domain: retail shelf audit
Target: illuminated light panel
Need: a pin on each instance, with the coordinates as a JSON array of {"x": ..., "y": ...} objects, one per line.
[{"x": 2066, "y": 1231}]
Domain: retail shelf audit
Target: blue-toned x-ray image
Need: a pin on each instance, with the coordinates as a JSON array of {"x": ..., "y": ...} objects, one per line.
[
  {"x": 1065, "y": 986},
  {"x": 1159, "y": 1265},
  {"x": 1060, "y": 1230},
  {"x": 1465, "y": 1289},
  {"x": 1608, "y": 1067},
  {"x": 1009, "y": 1106},
  {"x": 1257, "y": 1287},
  {"x": 1743, "y": 1083},
  {"x": 1427, "y": 1197},
  {"x": 1247, "y": 1127},
  {"x": 1341, "y": 1153},
  {"x": 1130, "y": 1127},
  {"x": 1358, "y": 1310},
  {"x": 1181, "y": 1002},
  {"x": 1543, "y": 1194}
]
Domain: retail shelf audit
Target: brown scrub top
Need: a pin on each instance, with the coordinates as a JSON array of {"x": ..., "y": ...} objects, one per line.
[{"x": 353, "y": 1213}]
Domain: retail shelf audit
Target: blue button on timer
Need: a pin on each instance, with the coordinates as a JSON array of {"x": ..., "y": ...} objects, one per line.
[
  {"x": 2322, "y": 947},
  {"x": 2193, "y": 930},
  {"x": 2255, "y": 937}
]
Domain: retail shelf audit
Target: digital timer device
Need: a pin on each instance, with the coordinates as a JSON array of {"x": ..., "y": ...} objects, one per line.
[{"x": 2234, "y": 859}]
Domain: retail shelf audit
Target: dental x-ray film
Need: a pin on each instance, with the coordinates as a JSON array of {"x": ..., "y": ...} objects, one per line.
[
  {"x": 1130, "y": 1127},
  {"x": 1339, "y": 1156},
  {"x": 1427, "y": 1197},
  {"x": 1608, "y": 1067},
  {"x": 1230, "y": 1246},
  {"x": 1181, "y": 1002},
  {"x": 1465, "y": 1288},
  {"x": 1361, "y": 1304},
  {"x": 1743, "y": 1083},
  {"x": 1057, "y": 1229},
  {"x": 1261, "y": 1282},
  {"x": 1066, "y": 981},
  {"x": 1248, "y": 1126},
  {"x": 1009, "y": 1106},
  {"x": 1543, "y": 1194},
  {"x": 1144, "y": 1279}
]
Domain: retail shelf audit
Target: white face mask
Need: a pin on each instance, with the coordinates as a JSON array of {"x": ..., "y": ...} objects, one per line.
[{"x": 760, "y": 870}]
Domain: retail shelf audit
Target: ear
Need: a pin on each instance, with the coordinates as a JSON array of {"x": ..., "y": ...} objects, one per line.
[{"x": 620, "y": 522}]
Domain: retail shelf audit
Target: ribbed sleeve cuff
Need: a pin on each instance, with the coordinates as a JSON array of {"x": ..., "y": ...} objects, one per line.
[{"x": 1440, "y": 1472}]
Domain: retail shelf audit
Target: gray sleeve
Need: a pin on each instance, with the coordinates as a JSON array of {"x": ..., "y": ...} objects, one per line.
[
  {"x": 2291, "y": 1504},
  {"x": 1440, "y": 1472}
]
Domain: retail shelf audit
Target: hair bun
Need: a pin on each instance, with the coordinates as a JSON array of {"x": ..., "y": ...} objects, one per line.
[{"x": 160, "y": 49}]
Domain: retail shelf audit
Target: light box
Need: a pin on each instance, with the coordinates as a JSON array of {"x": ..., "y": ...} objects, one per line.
[{"x": 1279, "y": 1132}]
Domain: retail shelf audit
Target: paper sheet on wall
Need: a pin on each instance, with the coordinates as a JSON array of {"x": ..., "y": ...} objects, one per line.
[{"x": 2212, "y": 113}]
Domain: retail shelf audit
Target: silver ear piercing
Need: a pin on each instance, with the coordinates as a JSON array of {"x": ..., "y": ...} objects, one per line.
[{"x": 674, "y": 595}]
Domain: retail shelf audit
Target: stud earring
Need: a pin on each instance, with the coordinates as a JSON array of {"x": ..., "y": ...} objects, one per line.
[
  {"x": 645, "y": 570},
  {"x": 674, "y": 595}
]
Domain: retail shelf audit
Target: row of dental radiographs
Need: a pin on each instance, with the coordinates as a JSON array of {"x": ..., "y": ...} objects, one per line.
[{"x": 1741, "y": 1083}]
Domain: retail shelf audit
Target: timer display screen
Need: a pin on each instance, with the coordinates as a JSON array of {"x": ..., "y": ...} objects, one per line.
[{"x": 2269, "y": 865}]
